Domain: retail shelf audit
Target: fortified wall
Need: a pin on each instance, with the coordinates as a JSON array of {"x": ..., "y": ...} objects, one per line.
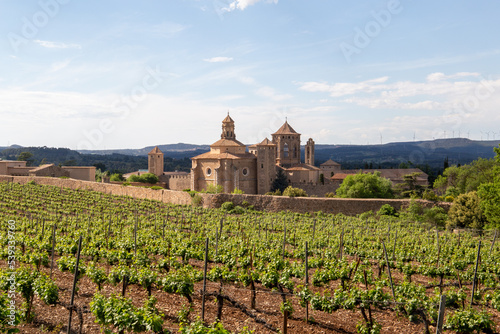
[{"x": 346, "y": 206}]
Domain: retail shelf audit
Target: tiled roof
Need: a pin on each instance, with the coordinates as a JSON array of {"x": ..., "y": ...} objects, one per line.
[
  {"x": 303, "y": 167},
  {"x": 210, "y": 155},
  {"x": 285, "y": 129},
  {"x": 330, "y": 162},
  {"x": 227, "y": 142},
  {"x": 228, "y": 119},
  {"x": 155, "y": 150}
]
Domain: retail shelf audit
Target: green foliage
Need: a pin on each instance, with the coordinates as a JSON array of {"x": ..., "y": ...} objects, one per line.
[
  {"x": 410, "y": 187},
  {"x": 213, "y": 189},
  {"x": 489, "y": 193},
  {"x": 46, "y": 289},
  {"x": 117, "y": 177},
  {"x": 330, "y": 195},
  {"x": 466, "y": 212},
  {"x": 287, "y": 306},
  {"x": 277, "y": 192},
  {"x": 9, "y": 317},
  {"x": 469, "y": 321},
  {"x": 466, "y": 178},
  {"x": 144, "y": 178},
  {"x": 26, "y": 156},
  {"x": 294, "y": 192},
  {"x": 365, "y": 186},
  {"x": 227, "y": 206},
  {"x": 238, "y": 191},
  {"x": 280, "y": 182},
  {"x": 123, "y": 315},
  {"x": 198, "y": 327},
  {"x": 97, "y": 275},
  {"x": 197, "y": 200},
  {"x": 387, "y": 210}
]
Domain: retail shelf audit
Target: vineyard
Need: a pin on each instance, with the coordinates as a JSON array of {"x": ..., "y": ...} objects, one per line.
[{"x": 103, "y": 263}]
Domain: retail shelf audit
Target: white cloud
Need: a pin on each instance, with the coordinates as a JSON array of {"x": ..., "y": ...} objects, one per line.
[
  {"x": 218, "y": 59},
  {"x": 242, "y": 4},
  {"x": 270, "y": 93},
  {"x": 438, "y": 92},
  {"x": 57, "y": 45}
]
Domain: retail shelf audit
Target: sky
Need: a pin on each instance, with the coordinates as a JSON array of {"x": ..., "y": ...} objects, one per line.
[{"x": 115, "y": 74}]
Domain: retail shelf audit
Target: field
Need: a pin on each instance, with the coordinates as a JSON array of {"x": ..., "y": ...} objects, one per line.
[{"x": 141, "y": 268}]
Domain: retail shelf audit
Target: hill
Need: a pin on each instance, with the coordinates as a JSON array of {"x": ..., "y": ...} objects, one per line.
[
  {"x": 427, "y": 155},
  {"x": 432, "y": 153}
]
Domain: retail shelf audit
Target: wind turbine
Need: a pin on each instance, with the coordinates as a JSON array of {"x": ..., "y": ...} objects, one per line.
[
  {"x": 481, "y": 135},
  {"x": 487, "y": 135}
]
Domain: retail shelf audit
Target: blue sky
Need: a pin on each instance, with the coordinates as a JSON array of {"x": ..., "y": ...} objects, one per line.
[{"x": 128, "y": 74}]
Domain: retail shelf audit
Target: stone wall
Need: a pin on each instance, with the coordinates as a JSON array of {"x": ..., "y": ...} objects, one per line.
[
  {"x": 346, "y": 206},
  {"x": 179, "y": 182},
  {"x": 163, "y": 195},
  {"x": 318, "y": 189}
]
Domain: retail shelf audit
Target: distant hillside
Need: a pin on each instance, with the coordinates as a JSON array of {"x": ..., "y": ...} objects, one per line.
[
  {"x": 112, "y": 162},
  {"x": 168, "y": 148},
  {"x": 427, "y": 155},
  {"x": 432, "y": 153}
]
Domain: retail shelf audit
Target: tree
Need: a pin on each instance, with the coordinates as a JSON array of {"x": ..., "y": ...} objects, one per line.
[
  {"x": 294, "y": 192},
  {"x": 467, "y": 178},
  {"x": 410, "y": 185},
  {"x": 321, "y": 178},
  {"x": 149, "y": 178},
  {"x": 466, "y": 212},
  {"x": 489, "y": 193},
  {"x": 280, "y": 182},
  {"x": 26, "y": 156},
  {"x": 117, "y": 177},
  {"x": 365, "y": 186}
]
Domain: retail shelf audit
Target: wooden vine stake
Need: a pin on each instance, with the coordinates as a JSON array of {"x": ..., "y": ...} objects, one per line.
[
  {"x": 475, "y": 273},
  {"x": 284, "y": 243},
  {"x": 71, "y": 306},
  {"x": 53, "y": 249},
  {"x": 493, "y": 242},
  {"x": 389, "y": 271},
  {"x": 440, "y": 320},
  {"x": 307, "y": 283},
  {"x": 204, "y": 281},
  {"x": 285, "y": 322}
]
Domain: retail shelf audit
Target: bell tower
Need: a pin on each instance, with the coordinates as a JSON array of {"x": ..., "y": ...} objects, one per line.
[
  {"x": 310, "y": 152},
  {"x": 228, "y": 128}
]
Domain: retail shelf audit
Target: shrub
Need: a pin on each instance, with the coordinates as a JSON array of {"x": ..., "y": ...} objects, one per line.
[
  {"x": 197, "y": 200},
  {"x": 156, "y": 187},
  {"x": 365, "y": 186},
  {"x": 214, "y": 189},
  {"x": 294, "y": 192},
  {"x": 238, "y": 210},
  {"x": 387, "y": 210},
  {"x": 149, "y": 178},
  {"x": 277, "y": 192},
  {"x": 238, "y": 191},
  {"x": 117, "y": 177},
  {"x": 466, "y": 212},
  {"x": 330, "y": 195},
  {"x": 227, "y": 206},
  {"x": 469, "y": 321},
  {"x": 429, "y": 195}
]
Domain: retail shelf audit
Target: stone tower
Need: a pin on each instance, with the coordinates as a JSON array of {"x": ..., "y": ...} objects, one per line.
[
  {"x": 228, "y": 128},
  {"x": 310, "y": 152},
  {"x": 155, "y": 162},
  {"x": 266, "y": 165},
  {"x": 287, "y": 142}
]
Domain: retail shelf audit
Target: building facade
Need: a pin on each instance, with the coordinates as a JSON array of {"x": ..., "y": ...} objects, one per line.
[{"x": 231, "y": 166}]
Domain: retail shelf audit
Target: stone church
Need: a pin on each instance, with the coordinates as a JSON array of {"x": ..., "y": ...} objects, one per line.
[{"x": 230, "y": 165}]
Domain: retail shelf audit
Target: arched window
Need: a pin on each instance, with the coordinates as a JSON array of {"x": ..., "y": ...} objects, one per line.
[{"x": 285, "y": 150}]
